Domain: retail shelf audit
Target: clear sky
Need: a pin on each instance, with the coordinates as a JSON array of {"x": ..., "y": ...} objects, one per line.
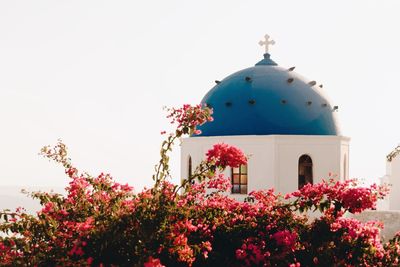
[{"x": 97, "y": 73}]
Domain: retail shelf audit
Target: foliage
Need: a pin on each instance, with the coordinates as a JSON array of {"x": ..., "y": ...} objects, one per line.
[{"x": 103, "y": 223}]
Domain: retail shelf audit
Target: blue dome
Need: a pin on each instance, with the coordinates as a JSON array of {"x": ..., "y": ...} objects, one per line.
[{"x": 267, "y": 99}]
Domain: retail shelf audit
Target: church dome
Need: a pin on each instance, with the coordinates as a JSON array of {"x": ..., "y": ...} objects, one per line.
[{"x": 268, "y": 100}]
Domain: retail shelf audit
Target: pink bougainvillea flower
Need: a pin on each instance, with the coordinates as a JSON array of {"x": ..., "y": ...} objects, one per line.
[
  {"x": 223, "y": 155},
  {"x": 153, "y": 262}
]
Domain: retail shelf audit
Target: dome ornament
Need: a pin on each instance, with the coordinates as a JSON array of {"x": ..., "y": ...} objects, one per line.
[{"x": 267, "y": 42}]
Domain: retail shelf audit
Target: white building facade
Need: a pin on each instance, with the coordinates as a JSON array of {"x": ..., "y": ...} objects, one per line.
[
  {"x": 392, "y": 178},
  {"x": 274, "y": 161}
]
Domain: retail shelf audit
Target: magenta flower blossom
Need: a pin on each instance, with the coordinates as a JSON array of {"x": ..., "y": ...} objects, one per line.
[{"x": 223, "y": 155}]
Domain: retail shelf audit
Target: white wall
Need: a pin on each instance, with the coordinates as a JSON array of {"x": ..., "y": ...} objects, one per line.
[
  {"x": 390, "y": 220},
  {"x": 325, "y": 152},
  {"x": 273, "y": 159},
  {"x": 394, "y": 180}
]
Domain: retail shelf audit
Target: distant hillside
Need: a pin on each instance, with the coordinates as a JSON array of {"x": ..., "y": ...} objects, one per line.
[{"x": 12, "y": 198}]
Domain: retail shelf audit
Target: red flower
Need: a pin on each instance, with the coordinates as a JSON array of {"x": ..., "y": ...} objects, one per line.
[
  {"x": 188, "y": 117},
  {"x": 153, "y": 262},
  {"x": 223, "y": 155},
  {"x": 219, "y": 182},
  {"x": 285, "y": 238}
]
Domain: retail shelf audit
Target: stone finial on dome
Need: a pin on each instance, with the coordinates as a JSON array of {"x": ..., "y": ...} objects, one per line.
[{"x": 266, "y": 42}]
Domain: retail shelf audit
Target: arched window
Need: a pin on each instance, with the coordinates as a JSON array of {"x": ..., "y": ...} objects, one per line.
[
  {"x": 305, "y": 170},
  {"x": 345, "y": 167},
  {"x": 239, "y": 180},
  {"x": 190, "y": 167}
]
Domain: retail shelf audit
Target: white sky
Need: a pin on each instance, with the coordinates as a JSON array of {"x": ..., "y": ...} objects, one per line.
[{"x": 97, "y": 73}]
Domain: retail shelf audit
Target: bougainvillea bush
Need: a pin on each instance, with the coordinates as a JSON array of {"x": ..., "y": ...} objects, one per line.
[{"x": 100, "y": 222}]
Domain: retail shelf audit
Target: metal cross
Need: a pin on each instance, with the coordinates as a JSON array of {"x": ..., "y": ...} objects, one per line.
[{"x": 266, "y": 43}]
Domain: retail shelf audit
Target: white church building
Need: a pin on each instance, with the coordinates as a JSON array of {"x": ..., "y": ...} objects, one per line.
[
  {"x": 280, "y": 120},
  {"x": 288, "y": 129}
]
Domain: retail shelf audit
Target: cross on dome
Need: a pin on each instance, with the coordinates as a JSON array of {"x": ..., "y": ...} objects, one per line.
[{"x": 267, "y": 42}]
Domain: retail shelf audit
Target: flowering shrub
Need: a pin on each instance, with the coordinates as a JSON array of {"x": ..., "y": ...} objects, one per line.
[{"x": 103, "y": 223}]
